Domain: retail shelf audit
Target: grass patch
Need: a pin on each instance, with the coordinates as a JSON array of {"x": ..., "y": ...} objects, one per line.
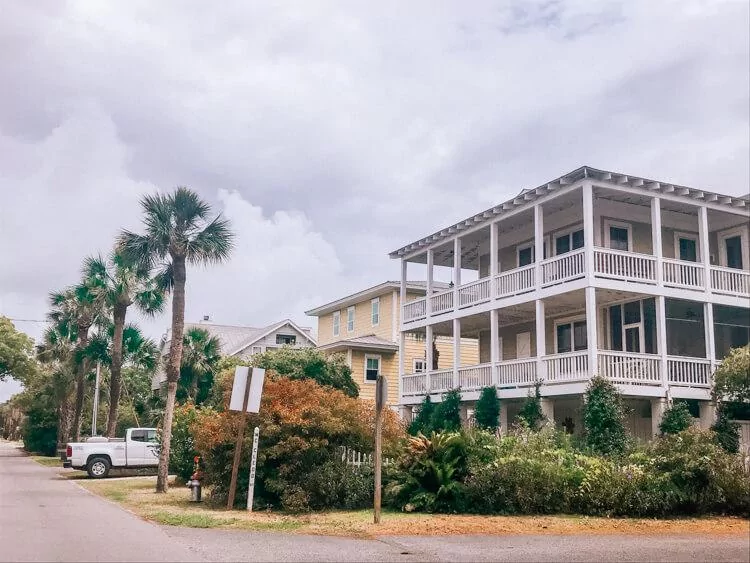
[
  {"x": 190, "y": 520},
  {"x": 47, "y": 461}
]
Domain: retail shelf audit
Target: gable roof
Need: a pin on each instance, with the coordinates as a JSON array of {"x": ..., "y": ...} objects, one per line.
[
  {"x": 527, "y": 197},
  {"x": 371, "y": 293}
]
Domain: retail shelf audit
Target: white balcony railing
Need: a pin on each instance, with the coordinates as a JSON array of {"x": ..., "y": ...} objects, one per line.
[
  {"x": 689, "y": 372},
  {"x": 441, "y": 380},
  {"x": 415, "y": 310},
  {"x": 442, "y": 302},
  {"x": 682, "y": 274},
  {"x": 730, "y": 281},
  {"x": 513, "y": 282},
  {"x": 629, "y": 367},
  {"x": 514, "y": 373},
  {"x": 475, "y": 377},
  {"x": 628, "y": 266},
  {"x": 414, "y": 384},
  {"x": 564, "y": 267},
  {"x": 573, "y": 366},
  {"x": 475, "y": 292}
]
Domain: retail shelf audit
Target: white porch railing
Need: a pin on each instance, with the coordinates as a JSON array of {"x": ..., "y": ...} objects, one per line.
[
  {"x": 629, "y": 266},
  {"x": 442, "y": 302},
  {"x": 512, "y": 373},
  {"x": 475, "y": 377},
  {"x": 414, "y": 384},
  {"x": 441, "y": 380},
  {"x": 565, "y": 267},
  {"x": 415, "y": 310},
  {"x": 690, "y": 372},
  {"x": 730, "y": 281},
  {"x": 573, "y": 366},
  {"x": 512, "y": 282},
  {"x": 680, "y": 273},
  {"x": 629, "y": 367},
  {"x": 474, "y": 292}
]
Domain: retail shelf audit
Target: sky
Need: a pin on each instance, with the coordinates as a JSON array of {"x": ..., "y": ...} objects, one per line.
[{"x": 331, "y": 133}]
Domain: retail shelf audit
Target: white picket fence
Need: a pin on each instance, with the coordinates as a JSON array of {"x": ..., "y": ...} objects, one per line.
[{"x": 358, "y": 459}]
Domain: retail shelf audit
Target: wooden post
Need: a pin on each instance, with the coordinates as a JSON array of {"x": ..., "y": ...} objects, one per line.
[
  {"x": 238, "y": 444},
  {"x": 380, "y": 399}
]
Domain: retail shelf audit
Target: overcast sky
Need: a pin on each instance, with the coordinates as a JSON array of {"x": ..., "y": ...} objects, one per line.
[{"x": 331, "y": 133}]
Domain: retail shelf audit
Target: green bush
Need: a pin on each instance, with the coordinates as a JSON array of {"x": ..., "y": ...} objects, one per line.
[
  {"x": 337, "y": 484},
  {"x": 39, "y": 429},
  {"x": 603, "y": 418},
  {"x": 531, "y": 415},
  {"x": 422, "y": 423},
  {"x": 182, "y": 451},
  {"x": 676, "y": 418},
  {"x": 727, "y": 432},
  {"x": 447, "y": 414},
  {"x": 487, "y": 410}
]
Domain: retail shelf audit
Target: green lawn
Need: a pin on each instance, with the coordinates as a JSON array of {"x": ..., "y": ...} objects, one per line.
[{"x": 47, "y": 461}]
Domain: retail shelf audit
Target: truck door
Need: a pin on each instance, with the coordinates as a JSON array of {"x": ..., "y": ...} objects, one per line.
[
  {"x": 137, "y": 447},
  {"x": 151, "y": 452}
]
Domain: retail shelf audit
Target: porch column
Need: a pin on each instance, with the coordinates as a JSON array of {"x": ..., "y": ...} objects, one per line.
[
  {"x": 428, "y": 294},
  {"x": 658, "y": 406},
  {"x": 707, "y": 414},
  {"x": 656, "y": 239},
  {"x": 591, "y": 332},
  {"x": 587, "y": 191},
  {"x": 548, "y": 410},
  {"x": 401, "y": 354},
  {"x": 402, "y": 335},
  {"x": 661, "y": 338},
  {"x": 405, "y": 412},
  {"x": 494, "y": 269},
  {"x": 456, "y": 270},
  {"x": 456, "y": 351},
  {"x": 503, "y": 417},
  {"x": 704, "y": 248},
  {"x": 494, "y": 355},
  {"x": 538, "y": 243},
  {"x": 402, "y": 292},
  {"x": 541, "y": 346},
  {"x": 429, "y": 356},
  {"x": 708, "y": 323}
]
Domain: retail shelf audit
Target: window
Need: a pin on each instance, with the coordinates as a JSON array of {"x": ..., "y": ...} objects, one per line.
[
  {"x": 686, "y": 334},
  {"x": 632, "y": 326},
  {"x": 571, "y": 336},
  {"x": 336, "y": 323},
  {"x": 375, "y": 310},
  {"x": 420, "y": 366},
  {"x": 733, "y": 249},
  {"x": 568, "y": 241},
  {"x": 526, "y": 255},
  {"x": 618, "y": 236},
  {"x": 372, "y": 368},
  {"x": 150, "y": 435},
  {"x": 350, "y": 319},
  {"x": 686, "y": 247},
  {"x": 139, "y": 436},
  {"x": 257, "y": 350},
  {"x": 286, "y": 339},
  {"x": 731, "y": 329}
]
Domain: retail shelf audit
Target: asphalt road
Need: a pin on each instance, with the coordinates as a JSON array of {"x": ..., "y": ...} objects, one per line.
[{"x": 46, "y": 518}]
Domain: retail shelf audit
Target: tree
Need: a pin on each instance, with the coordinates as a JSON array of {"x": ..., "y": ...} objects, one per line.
[
  {"x": 309, "y": 363},
  {"x": 676, "y": 418},
  {"x": 727, "y": 431},
  {"x": 200, "y": 359},
  {"x": 487, "y": 410},
  {"x": 531, "y": 414},
  {"x": 732, "y": 377},
  {"x": 603, "y": 417},
  {"x": 122, "y": 283},
  {"x": 178, "y": 232},
  {"x": 16, "y": 352},
  {"x": 447, "y": 415},
  {"x": 422, "y": 423}
]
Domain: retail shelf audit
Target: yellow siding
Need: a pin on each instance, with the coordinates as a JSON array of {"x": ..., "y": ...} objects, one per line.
[
  {"x": 388, "y": 368},
  {"x": 362, "y": 321},
  {"x": 415, "y": 349}
]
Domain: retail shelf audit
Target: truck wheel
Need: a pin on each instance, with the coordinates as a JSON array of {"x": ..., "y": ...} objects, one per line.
[{"x": 98, "y": 467}]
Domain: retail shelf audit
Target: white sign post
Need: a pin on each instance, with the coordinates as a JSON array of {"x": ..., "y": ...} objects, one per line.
[{"x": 253, "y": 461}]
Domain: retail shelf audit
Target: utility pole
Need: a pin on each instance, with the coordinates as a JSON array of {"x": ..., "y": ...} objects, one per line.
[{"x": 96, "y": 399}]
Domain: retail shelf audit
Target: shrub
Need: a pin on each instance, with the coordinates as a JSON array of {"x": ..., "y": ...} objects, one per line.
[
  {"x": 447, "y": 415},
  {"x": 732, "y": 377},
  {"x": 603, "y": 418},
  {"x": 531, "y": 414},
  {"x": 727, "y": 432},
  {"x": 182, "y": 451},
  {"x": 336, "y": 484},
  {"x": 423, "y": 421},
  {"x": 676, "y": 418},
  {"x": 39, "y": 429},
  {"x": 487, "y": 410}
]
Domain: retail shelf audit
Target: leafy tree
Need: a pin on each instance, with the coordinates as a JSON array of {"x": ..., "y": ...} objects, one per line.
[
  {"x": 200, "y": 359},
  {"x": 16, "y": 352},
  {"x": 487, "y": 410},
  {"x": 309, "y": 363},
  {"x": 531, "y": 414},
  {"x": 447, "y": 415},
  {"x": 179, "y": 232},
  {"x": 121, "y": 283},
  {"x": 727, "y": 432},
  {"x": 732, "y": 377},
  {"x": 603, "y": 417},
  {"x": 676, "y": 418},
  {"x": 422, "y": 423}
]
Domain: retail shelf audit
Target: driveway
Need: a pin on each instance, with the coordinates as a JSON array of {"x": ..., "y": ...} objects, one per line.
[{"x": 44, "y": 517}]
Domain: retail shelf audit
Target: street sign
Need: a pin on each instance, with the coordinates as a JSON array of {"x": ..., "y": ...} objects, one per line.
[
  {"x": 253, "y": 462},
  {"x": 239, "y": 387}
]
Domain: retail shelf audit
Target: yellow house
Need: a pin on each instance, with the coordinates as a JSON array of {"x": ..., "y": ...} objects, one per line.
[{"x": 365, "y": 328}]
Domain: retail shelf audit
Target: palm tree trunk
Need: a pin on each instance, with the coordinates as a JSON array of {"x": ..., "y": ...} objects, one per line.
[
  {"x": 193, "y": 393},
  {"x": 63, "y": 421},
  {"x": 115, "y": 383},
  {"x": 82, "y": 368},
  {"x": 173, "y": 369}
]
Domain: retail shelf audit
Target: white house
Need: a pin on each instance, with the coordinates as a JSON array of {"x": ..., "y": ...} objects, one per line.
[{"x": 644, "y": 282}]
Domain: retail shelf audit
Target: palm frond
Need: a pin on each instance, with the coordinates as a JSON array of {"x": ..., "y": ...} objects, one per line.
[
  {"x": 164, "y": 279},
  {"x": 139, "y": 249},
  {"x": 188, "y": 208},
  {"x": 213, "y": 244}
]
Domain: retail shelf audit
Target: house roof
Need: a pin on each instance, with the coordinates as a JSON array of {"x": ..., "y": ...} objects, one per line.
[
  {"x": 527, "y": 197},
  {"x": 368, "y": 342},
  {"x": 371, "y": 293}
]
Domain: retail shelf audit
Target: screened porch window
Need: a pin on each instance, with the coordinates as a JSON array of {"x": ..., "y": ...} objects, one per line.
[
  {"x": 632, "y": 326},
  {"x": 731, "y": 329},
  {"x": 571, "y": 337},
  {"x": 686, "y": 334},
  {"x": 733, "y": 247},
  {"x": 569, "y": 241}
]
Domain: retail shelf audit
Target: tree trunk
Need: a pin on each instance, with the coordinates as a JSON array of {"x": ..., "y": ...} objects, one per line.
[
  {"x": 193, "y": 393},
  {"x": 82, "y": 368},
  {"x": 173, "y": 369},
  {"x": 63, "y": 421},
  {"x": 115, "y": 382}
]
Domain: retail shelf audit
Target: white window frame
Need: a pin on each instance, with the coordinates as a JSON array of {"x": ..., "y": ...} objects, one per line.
[
  {"x": 570, "y": 321},
  {"x": 350, "y": 312},
  {"x": 722, "y": 236},
  {"x": 375, "y": 317},
  {"x": 567, "y": 233},
  {"x": 336, "y": 323},
  {"x": 256, "y": 349},
  {"x": 687, "y": 236},
  {"x": 532, "y": 245},
  {"x": 618, "y": 225},
  {"x": 623, "y": 340},
  {"x": 414, "y": 365},
  {"x": 377, "y": 357}
]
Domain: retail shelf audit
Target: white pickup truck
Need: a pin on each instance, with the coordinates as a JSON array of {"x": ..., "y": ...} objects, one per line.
[{"x": 97, "y": 456}]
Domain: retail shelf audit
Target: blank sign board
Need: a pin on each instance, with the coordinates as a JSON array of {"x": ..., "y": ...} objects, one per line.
[{"x": 257, "y": 376}]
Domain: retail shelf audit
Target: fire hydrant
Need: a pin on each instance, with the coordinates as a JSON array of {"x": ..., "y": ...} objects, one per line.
[{"x": 194, "y": 484}]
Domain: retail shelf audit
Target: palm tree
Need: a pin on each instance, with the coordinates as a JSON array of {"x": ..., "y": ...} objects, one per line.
[
  {"x": 123, "y": 283},
  {"x": 200, "y": 356},
  {"x": 178, "y": 232}
]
